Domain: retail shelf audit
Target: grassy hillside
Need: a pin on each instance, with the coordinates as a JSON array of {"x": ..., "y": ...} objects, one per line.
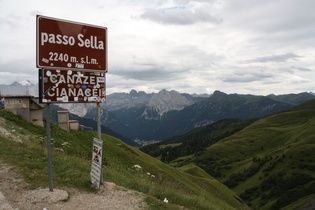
[
  {"x": 24, "y": 145},
  {"x": 270, "y": 163},
  {"x": 92, "y": 124},
  {"x": 196, "y": 140}
]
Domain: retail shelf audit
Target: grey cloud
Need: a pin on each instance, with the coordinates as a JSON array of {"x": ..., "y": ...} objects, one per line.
[
  {"x": 272, "y": 16},
  {"x": 273, "y": 24},
  {"x": 245, "y": 77},
  {"x": 22, "y": 65},
  {"x": 180, "y": 16},
  {"x": 150, "y": 73},
  {"x": 286, "y": 70},
  {"x": 274, "y": 58},
  {"x": 174, "y": 64},
  {"x": 19, "y": 69},
  {"x": 300, "y": 68}
]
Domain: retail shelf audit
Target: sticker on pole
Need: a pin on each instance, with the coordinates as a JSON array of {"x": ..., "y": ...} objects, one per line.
[{"x": 96, "y": 169}]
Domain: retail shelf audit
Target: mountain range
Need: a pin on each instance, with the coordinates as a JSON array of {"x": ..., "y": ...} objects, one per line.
[
  {"x": 146, "y": 117},
  {"x": 158, "y": 116}
]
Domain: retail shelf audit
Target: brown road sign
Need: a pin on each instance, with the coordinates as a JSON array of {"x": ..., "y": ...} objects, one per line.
[
  {"x": 71, "y": 86},
  {"x": 70, "y": 45}
]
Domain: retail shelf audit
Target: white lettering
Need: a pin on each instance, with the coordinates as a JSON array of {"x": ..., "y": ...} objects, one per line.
[
  {"x": 63, "y": 92},
  {"x": 94, "y": 41},
  {"x": 44, "y": 38},
  {"x": 101, "y": 45},
  {"x": 81, "y": 43},
  {"x": 86, "y": 80},
  {"x": 50, "y": 94},
  {"x": 51, "y": 38},
  {"x": 87, "y": 43},
  {"x": 80, "y": 92},
  {"x": 53, "y": 78},
  {"x": 70, "y": 79},
  {"x": 79, "y": 80},
  {"x": 65, "y": 40},
  {"x": 92, "y": 81},
  {"x": 75, "y": 92},
  {"x": 71, "y": 40},
  {"x": 87, "y": 92},
  {"x": 62, "y": 79},
  {"x": 94, "y": 92},
  {"x": 90, "y": 43},
  {"x": 72, "y": 92},
  {"x": 57, "y": 39}
]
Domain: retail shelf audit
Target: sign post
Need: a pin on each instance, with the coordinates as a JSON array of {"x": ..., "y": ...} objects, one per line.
[
  {"x": 51, "y": 186},
  {"x": 99, "y": 132},
  {"x": 72, "y": 62}
]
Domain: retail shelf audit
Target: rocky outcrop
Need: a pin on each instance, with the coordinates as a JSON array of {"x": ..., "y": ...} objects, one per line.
[{"x": 163, "y": 102}]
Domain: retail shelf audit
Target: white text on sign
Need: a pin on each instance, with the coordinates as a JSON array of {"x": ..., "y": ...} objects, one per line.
[{"x": 91, "y": 42}]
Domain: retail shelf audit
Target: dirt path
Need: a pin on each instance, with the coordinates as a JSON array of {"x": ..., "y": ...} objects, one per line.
[{"x": 14, "y": 194}]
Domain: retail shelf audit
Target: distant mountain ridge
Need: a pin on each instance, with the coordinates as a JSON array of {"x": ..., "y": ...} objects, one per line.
[
  {"x": 293, "y": 99},
  {"x": 136, "y": 113},
  {"x": 158, "y": 116},
  {"x": 32, "y": 89},
  {"x": 147, "y": 122},
  {"x": 156, "y": 104},
  {"x": 23, "y": 82}
]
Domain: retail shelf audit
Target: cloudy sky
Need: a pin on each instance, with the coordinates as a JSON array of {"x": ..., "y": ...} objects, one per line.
[{"x": 193, "y": 46}]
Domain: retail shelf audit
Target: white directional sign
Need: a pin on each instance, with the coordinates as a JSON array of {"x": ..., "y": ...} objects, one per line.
[{"x": 96, "y": 170}]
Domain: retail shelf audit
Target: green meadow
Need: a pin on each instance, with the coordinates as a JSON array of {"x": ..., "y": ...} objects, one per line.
[{"x": 25, "y": 147}]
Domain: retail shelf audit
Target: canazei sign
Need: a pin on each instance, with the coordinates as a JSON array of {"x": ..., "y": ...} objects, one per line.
[{"x": 71, "y": 86}]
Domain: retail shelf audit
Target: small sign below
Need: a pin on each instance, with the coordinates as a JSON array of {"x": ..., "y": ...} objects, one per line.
[
  {"x": 96, "y": 169},
  {"x": 71, "y": 86}
]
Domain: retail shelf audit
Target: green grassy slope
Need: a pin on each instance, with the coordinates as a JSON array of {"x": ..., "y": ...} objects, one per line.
[
  {"x": 24, "y": 145},
  {"x": 196, "y": 140},
  {"x": 270, "y": 163}
]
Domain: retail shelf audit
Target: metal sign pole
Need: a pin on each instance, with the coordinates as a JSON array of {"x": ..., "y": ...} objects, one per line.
[
  {"x": 99, "y": 134},
  {"x": 99, "y": 120},
  {"x": 49, "y": 147}
]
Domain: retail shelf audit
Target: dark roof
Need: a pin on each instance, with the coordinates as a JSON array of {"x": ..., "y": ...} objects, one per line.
[
  {"x": 17, "y": 96},
  {"x": 13, "y": 90}
]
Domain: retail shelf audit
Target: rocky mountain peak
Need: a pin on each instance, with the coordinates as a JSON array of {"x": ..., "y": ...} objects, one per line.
[
  {"x": 218, "y": 93},
  {"x": 26, "y": 86},
  {"x": 165, "y": 101},
  {"x": 23, "y": 83},
  {"x": 116, "y": 101}
]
